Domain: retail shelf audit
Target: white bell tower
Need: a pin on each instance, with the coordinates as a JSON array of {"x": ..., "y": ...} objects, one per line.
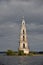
[{"x": 23, "y": 45}]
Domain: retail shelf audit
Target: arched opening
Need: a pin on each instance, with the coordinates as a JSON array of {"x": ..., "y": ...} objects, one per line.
[
  {"x": 23, "y": 32},
  {"x": 23, "y": 23},
  {"x": 23, "y": 45},
  {"x": 23, "y": 38}
]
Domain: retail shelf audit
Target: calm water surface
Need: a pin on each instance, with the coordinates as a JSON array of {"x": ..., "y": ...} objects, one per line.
[{"x": 20, "y": 60}]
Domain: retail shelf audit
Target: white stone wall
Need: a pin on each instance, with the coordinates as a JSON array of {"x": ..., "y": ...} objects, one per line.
[{"x": 23, "y": 27}]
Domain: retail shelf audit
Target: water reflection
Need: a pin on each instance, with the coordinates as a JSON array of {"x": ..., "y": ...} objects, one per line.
[
  {"x": 30, "y": 60},
  {"x": 22, "y": 60}
]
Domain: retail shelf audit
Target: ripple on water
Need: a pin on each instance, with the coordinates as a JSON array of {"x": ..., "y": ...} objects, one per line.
[{"x": 21, "y": 60}]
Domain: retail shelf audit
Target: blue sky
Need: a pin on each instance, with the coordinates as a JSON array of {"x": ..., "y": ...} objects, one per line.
[{"x": 11, "y": 13}]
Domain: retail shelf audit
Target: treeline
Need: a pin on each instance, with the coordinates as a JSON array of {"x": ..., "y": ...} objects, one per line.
[
  {"x": 14, "y": 53},
  {"x": 20, "y": 53},
  {"x": 11, "y": 53},
  {"x": 17, "y": 53},
  {"x": 41, "y": 52},
  {"x": 34, "y": 52}
]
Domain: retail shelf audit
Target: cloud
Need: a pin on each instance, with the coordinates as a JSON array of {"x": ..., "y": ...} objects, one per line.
[
  {"x": 32, "y": 10},
  {"x": 11, "y": 12},
  {"x": 34, "y": 28},
  {"x": 9, "y": 36}
]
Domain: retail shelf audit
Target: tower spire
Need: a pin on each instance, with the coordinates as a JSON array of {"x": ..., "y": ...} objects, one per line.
[{"x": 23, "y": 21}]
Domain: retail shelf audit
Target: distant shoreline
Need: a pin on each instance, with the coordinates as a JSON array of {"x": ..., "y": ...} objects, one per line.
[{"x": 20, "y": 53}]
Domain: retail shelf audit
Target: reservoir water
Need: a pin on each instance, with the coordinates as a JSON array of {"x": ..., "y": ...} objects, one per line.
[{"x": 21, "y": 60}]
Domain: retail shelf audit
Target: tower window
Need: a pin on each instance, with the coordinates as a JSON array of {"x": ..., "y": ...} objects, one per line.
[
  {"x": 23, "y": 31},
  {"x": 23, "y": 38},
  {"x": 23, "y": 23},
  {"x": 23, "y": 45}
]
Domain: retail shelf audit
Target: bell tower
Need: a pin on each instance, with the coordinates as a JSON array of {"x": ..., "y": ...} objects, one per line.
[{"x": 23, "y": 45}]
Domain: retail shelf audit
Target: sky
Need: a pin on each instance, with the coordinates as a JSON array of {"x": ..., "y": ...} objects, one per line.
[{"x": 11, "y": 13}]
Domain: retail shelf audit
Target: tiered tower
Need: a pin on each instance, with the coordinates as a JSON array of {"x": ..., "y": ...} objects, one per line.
[{"x": 23, "y": 45}]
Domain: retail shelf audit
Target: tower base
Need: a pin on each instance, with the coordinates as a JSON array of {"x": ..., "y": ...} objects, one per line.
[{"x": 26, "y": 51}]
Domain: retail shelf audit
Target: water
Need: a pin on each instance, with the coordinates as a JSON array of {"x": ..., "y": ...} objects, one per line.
[{"x": 21, "y": 60}]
